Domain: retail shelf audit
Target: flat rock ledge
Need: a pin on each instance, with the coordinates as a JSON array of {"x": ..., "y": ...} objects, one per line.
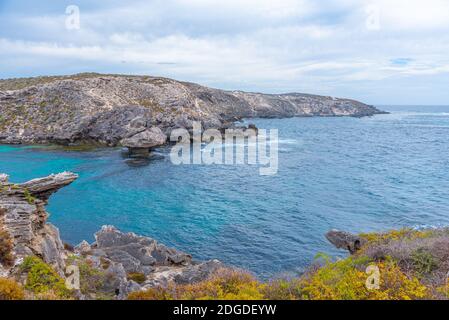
[{"x": 117, "y": 254}]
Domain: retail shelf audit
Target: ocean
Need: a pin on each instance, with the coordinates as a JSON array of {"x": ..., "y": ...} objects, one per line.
[{"x": 359, "y": 175}]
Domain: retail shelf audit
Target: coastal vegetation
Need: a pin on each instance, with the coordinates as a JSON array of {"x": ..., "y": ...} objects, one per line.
[
  {"x": 11, "y": 290},
  {"x": 411, "y": 266},
  {"x": 6, "y": 246},
  {"x": 42, "y": 280}
]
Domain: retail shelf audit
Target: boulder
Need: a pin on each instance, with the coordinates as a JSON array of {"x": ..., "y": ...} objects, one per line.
[
  {"x": 345, "y": 240},
  {"x": 147, "y": 139},
  {"x": 83, "y": 248},
  {"x": 196, "y": 272},
  {"x": 3, "y": 178}
]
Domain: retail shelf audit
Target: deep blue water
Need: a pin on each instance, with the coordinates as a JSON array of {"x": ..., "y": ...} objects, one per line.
[{"x": 368, "y": 174}]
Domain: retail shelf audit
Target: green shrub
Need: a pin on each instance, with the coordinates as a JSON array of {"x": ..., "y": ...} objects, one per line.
[
  {"x": 28, "y": 197},
  {"x": 96, "y": 283},
  {"x": 92, "y": 280},
  {"x": 137, "y": 277},
  {"x": 43, "y": 279},
  {"x": 283, "y": 289},
  {"x": 423, "y": 262}
]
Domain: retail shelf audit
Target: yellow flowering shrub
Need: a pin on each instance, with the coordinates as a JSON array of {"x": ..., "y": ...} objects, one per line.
[
  {"x": 443, "y": 291},
  {"x": 342, "y": 280},
  {"x": 401, "y": 234},
  {"x": 346, "y": 280}
]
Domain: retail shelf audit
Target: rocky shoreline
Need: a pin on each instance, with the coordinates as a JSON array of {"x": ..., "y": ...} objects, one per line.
[
  {"x": 140, "y": 111},
  {"x": 119, "y": 257},
  {"x": 36, "y": 264}
]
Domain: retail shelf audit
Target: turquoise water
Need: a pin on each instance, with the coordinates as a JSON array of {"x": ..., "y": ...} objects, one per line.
[{"x": 367, "y": 174}]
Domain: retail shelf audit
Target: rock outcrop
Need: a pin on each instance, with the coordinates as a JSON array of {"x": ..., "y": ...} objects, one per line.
[
  {"x": 129, "y": 253},
  {"x": 23, "y": 216},
  {"x": 345, "y": 240},
  {"x": 142, "y": 142},
  {"x": 116, "y": 255},
  {"x": 111, "y": 109}
]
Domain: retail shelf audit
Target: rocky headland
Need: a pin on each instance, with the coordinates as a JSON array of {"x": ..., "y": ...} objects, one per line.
[
  {"x": 139, "y": 111},
  {"x": 115, "y": 265}
]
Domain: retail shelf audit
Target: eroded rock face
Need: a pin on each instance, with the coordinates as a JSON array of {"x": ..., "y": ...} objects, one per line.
[
  {"x": 105, "y": 109},
  {"x": 136, "y": 253},
  {"x": 23, "y": 216},
  {"x": 128, "y": 253}
]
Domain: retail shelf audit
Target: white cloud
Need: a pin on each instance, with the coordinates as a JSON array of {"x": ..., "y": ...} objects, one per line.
[
  {"x": 262, "y": 45},
  {"x": 414, "y": 14}
]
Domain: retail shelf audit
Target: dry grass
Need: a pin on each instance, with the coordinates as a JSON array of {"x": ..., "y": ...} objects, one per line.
[
  {"x": 11, "y": 290},
  {"x": 6, "y": 245}
]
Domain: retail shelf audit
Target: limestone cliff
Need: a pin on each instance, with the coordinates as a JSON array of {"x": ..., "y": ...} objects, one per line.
[{"x": 105, "y": 109}]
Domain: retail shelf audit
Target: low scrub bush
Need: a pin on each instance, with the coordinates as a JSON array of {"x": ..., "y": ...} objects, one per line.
[
  {"x": 6, "y": 247},
  {"x": 423, "y": 262},
  {"x": 225, "y": 284},
  {"x": 43, "y": 280},
  {"x": 136, "y": 277},
  {"x": 11, "y": 290},
  {"x": 342, "y": 280},
  {"x": 401, "y": 234},
  {"x": 95, "y": 282},
  {"x": 346, "y": 280}
]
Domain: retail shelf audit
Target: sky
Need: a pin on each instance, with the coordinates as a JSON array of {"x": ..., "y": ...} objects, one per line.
[{"x": 378, "y": 51}]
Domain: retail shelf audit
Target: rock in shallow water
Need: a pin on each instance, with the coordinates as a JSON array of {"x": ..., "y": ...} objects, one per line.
[
  {"x": 345, "y": 240},
  {"x": 149, "y": 138}
]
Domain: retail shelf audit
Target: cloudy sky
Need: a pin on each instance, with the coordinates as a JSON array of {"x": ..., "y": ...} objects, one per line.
[{"x": 377, "y": 51}]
